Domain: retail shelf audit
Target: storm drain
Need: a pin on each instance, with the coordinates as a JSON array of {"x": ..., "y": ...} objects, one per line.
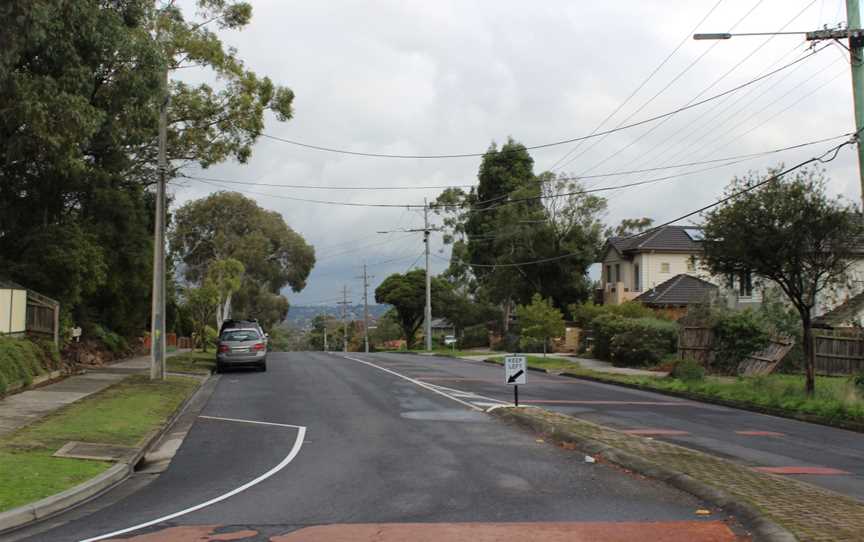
[{"x": 95, "y": 451}]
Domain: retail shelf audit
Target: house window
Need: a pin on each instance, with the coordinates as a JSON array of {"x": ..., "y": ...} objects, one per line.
[
  {"x": 664, "y": 267},
  {"x": 745, "y": 284},
  {"x": 691, "y": 264},
  {"x": 636, "y": 285},
  {"x": 608, "y": 274},
  {"x": 617, "y": 272}
]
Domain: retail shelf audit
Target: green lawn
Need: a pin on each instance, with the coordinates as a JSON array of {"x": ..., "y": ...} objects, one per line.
[
  {"x": 836, "y": 397},
  {"x": 192, "y": 362},
  {"x": 122, "y": 414},
  {"x": 539, "y": 362}
]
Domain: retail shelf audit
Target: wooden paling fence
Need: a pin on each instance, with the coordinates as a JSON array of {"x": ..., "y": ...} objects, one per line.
[
  {"x": 839, "y": 352},
  {"x": 697, "y": 343}
]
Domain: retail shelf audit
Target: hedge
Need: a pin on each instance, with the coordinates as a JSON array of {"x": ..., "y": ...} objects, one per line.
[{"x": 23, "y": 359}]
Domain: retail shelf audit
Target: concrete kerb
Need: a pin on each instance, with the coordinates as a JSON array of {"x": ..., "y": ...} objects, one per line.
[
  {"x": 809, "y": 418},
  {"x": 72, "y": 497},
  {"x": 764, "y": 529}
]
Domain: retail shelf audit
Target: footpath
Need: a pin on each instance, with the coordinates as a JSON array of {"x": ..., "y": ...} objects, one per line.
[
  {"x": 26, "y": 407},
  {"x": 65, "y": 442}
]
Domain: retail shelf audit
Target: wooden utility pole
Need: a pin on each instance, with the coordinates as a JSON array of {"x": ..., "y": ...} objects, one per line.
[
  {"x": 344, "y": 304},
  {"x": 428, "y": 312},
  {"x": 366, "y": 278}
]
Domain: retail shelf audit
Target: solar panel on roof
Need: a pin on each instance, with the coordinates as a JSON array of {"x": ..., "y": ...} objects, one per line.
[{"x": 695, "y": 234}]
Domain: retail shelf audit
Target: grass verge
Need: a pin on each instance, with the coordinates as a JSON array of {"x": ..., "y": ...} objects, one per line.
[
  {"x": 192, "y": 362},
  {"x": 23, "y": 359},
  {"x": 443, "y": 352},
  {"x": 122, "y": 414},
  {"x": 836, "y": 398}
]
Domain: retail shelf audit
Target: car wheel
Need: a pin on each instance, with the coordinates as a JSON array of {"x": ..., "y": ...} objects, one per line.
[
  {"x": 219, "y": 368},
  {"x": 262, "y": 366}
]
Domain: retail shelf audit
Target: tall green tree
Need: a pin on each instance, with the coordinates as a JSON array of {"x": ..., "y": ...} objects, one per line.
[
  {"x": 80, "y": 89},
  {"x": 540, "y": 321},
  {"x": 407, "y": 294},
  {"x": 789, "y": 232},
  {"x": 229, "y": 225},
  {"x": 514, "y": 216}
]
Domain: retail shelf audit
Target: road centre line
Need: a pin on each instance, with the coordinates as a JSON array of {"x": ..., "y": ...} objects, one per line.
[
  {"x": 250, "y": 421},
  {"x": 418, "y": 383},
  {"x": 298, "y": 443}
]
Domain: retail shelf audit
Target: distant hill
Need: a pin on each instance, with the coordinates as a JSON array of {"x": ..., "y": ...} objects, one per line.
[{"x": 301, "y": 316}]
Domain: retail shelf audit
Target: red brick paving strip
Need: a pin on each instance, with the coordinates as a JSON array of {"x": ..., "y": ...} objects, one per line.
[
  {"x": 189, "y": 533},
  {"x": 670, "y": 531},
  {"x": 810, "y": 513},
  {"x": 652, "y": 432}
]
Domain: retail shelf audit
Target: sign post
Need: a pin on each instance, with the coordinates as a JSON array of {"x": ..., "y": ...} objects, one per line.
[{"x": 514, "y": 374}]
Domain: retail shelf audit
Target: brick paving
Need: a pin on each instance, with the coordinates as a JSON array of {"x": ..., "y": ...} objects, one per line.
[{"x": 809, "y": 512}]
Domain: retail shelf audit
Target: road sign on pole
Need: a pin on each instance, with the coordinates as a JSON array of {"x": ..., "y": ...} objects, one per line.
[{"x": 514, "y": 374}]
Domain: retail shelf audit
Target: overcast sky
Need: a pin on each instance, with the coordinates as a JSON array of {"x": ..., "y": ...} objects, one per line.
[{"x": 451, "y": 76}]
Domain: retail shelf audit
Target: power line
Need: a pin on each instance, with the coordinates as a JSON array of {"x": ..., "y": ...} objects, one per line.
[
  {"x": 689, "y": 105},
  {"x": 834, "y": 151},
  {"x": 709, "y": 87},
  {"x": 643, "y": 83},
  {"x": 668, "y": 85},
  {"x": 573, "y": 178},
  {"x": 502, "y": 200}
]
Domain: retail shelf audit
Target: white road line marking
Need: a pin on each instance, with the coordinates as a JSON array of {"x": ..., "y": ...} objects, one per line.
[
  {"x": 417, "y": 382},
  {"x": 298, "y": 443},
  {"x": 477, "y": 395},
  {"x": 250, "y": 421},
  {"x": 486, "y": 405}
]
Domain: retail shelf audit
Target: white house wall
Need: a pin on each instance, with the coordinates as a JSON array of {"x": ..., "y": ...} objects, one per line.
[{"x": 13, "y": 311}]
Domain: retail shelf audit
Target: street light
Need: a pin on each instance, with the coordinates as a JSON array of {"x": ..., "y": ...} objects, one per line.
[{"x": 855, "y": 35}]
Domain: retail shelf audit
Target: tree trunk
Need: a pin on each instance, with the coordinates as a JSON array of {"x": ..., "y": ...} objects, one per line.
[
  {"x": 544, "y": 347},
  {"x": 506, "y": 324},
  {"x": 809, "y": 354}
]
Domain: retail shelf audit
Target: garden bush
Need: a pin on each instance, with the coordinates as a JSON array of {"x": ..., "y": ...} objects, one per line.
[
  {"x": 737, "y": 335},
  {"x": 474, "y": 336},
  {"x": 605, "y": 326},
  {"x": 688, "y": 370},
  {"x": 643, "y": 342},
  {"x": 112, "y": 341},
  {"x": 21, "y": 360}
]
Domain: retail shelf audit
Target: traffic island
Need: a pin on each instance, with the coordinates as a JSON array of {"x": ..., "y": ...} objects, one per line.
[
  {"x": 85, "y": 447},
  {"x": 777, "y": 508}
]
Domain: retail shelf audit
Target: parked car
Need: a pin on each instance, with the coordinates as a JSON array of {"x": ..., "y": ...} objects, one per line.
[
  {"x": 241, "y": 347},
  {"x": 242, "y": 324}
]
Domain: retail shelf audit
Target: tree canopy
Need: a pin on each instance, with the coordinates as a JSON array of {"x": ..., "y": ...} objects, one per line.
[
  {"x": 514, "y": 216},
  {"x": 789, "y": 232},
  {"x": 228, "y": 225},
  {"x": 80, "y": 90},
  {"x": 540, "y": 321},
  {"x": 407, "y": 294}
]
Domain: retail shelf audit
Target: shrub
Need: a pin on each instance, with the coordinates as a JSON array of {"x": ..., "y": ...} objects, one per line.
[
  {"x": 20, "y": 361},
  {"x": 688, "y": 370},
  {"x": 605, "y": 326},
  {"x": 858, "y": 382},
  {"x": 584, "y": 314},
  {"x": 737, "y": 335},
  {"x": 644, "y": 342},
  {"x": 112, "y": 341},
  {"x": 474, "y": 336}
]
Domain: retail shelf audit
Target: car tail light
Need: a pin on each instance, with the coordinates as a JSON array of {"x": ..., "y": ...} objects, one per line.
[
  {"x": 224, "y": 348},
  {"x": 258, "y": 346}
]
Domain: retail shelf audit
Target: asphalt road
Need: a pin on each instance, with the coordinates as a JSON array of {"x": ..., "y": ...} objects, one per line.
[
  {"x": 750, "y": 438},
  {"x": 350, "y": 451}
]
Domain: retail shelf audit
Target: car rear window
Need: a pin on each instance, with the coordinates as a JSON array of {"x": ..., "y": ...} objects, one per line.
[{"x": 239, "y": 335}]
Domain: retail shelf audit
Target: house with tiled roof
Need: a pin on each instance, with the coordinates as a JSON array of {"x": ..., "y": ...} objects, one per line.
[{"x": 637, "y": 267}]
